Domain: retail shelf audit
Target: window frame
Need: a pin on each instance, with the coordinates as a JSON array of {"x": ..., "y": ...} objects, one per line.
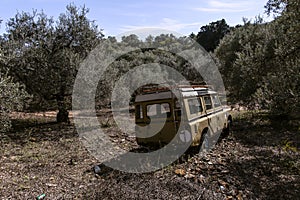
[
  {"x": 213, "y": 101},
  {"x": 205, "y": 104},
  {"x": 199, "y": 106},
  {"x": 139, "y": 113}
]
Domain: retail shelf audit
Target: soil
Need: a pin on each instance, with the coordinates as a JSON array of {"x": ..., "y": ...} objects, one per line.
[{"x": 258, "y": 160}]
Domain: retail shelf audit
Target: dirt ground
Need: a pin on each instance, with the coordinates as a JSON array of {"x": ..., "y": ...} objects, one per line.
[{"x": 258, "y": 160}]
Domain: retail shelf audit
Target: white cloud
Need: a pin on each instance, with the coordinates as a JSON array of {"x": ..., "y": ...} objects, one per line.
[
  {"x": 226, "y": 6},
  {"x": 130, "y": 14},
  {"x": 166, "y": 23},
  {"x": 220, "y": 10},
  {"x": 166, "y": 26},
  {"x": 229, "y": 4}
]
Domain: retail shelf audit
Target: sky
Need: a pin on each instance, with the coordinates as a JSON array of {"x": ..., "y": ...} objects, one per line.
[{"x": 116, "y": 17}]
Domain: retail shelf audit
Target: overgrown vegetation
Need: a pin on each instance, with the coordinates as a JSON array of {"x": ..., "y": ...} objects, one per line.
[{"x": 260, "y": 61}]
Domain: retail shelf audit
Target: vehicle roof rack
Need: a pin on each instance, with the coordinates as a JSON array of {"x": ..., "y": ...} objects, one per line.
[{"x": 155, "y": 88}]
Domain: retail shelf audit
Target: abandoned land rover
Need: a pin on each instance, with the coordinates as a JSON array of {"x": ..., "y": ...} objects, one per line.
[{"x": 197, "y": 106}]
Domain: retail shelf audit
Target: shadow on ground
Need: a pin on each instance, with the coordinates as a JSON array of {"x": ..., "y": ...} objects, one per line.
[
  {"x": 24, "y": 130},
  {"x": 269, "y": 165}
]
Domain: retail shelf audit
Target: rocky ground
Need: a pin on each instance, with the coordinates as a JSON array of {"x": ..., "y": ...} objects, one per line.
[{"x": 258, "y": 160}]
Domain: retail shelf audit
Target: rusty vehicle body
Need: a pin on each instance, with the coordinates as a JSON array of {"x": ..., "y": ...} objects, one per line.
[{"x": 197, "y": 106}]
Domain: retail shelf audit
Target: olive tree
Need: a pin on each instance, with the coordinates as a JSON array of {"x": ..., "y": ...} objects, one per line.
[
  {"x": 260, "y": 61},
  {"x": 12, "y": 96},
  {"x": 282, "y": 86},
  {"x": 242, "y": 56},
  {"x": 45, "y": 55},
  {"x": 210, "y": 35}
]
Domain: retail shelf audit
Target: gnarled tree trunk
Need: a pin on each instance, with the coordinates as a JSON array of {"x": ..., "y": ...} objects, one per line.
[{"x": 63, "y": 114}]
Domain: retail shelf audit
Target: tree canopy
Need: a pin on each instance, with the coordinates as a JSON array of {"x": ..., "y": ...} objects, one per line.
[
  {"x": 45, "y": 55},
  {"x": 210, "y": 35},
  {"x": 12, "y": 95},
  {"x": 260, "y": 61}
]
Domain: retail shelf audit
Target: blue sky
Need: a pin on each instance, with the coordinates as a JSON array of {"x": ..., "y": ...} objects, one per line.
[{"x": 116, "y": 16}]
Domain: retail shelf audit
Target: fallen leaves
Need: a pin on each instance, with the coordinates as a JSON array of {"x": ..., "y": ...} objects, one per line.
[
  {"x": 234, "y": 169},
  {"x": 180, "y": 172}
]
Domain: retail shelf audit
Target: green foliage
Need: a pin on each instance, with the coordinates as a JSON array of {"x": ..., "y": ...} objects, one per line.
[
  {"x": 260, "y": 61},
  {"x": 12, "y": 97},
  {"x": 149, "y": 56},
  {"x": 242, "y": 55},
  {"x": 45, "y": 55},
  {"x": 275, "y": 6},
  {"x": 210, "y": 35},
  {"x": 289, "y": 146},
  {"x": 282, "y": 85}
]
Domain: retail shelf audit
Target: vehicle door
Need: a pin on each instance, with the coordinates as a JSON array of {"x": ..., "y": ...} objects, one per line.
[
  {"x": 211, "y": 114},
  {"x": 218, "y": 109}
]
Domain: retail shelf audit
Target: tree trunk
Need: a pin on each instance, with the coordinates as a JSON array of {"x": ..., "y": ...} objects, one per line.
[{"x": 63, "y": 114}]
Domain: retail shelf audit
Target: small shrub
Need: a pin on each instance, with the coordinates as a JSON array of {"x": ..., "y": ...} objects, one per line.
[{"x": 12, "y": 97}]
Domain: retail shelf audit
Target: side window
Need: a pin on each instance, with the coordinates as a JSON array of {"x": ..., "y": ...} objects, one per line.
[
  {"x": 195, "y": 106},
  {"x": 155, "y": 110},
  {"x": 139, "y": 112},
  {"x": 208, "y": 104},
  {"x": 216, "y": 101}
]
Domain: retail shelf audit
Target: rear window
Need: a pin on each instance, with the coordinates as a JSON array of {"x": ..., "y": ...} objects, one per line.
[
  {"x": 156, "y": 110},
  {"x": 195, "y": 106}
]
